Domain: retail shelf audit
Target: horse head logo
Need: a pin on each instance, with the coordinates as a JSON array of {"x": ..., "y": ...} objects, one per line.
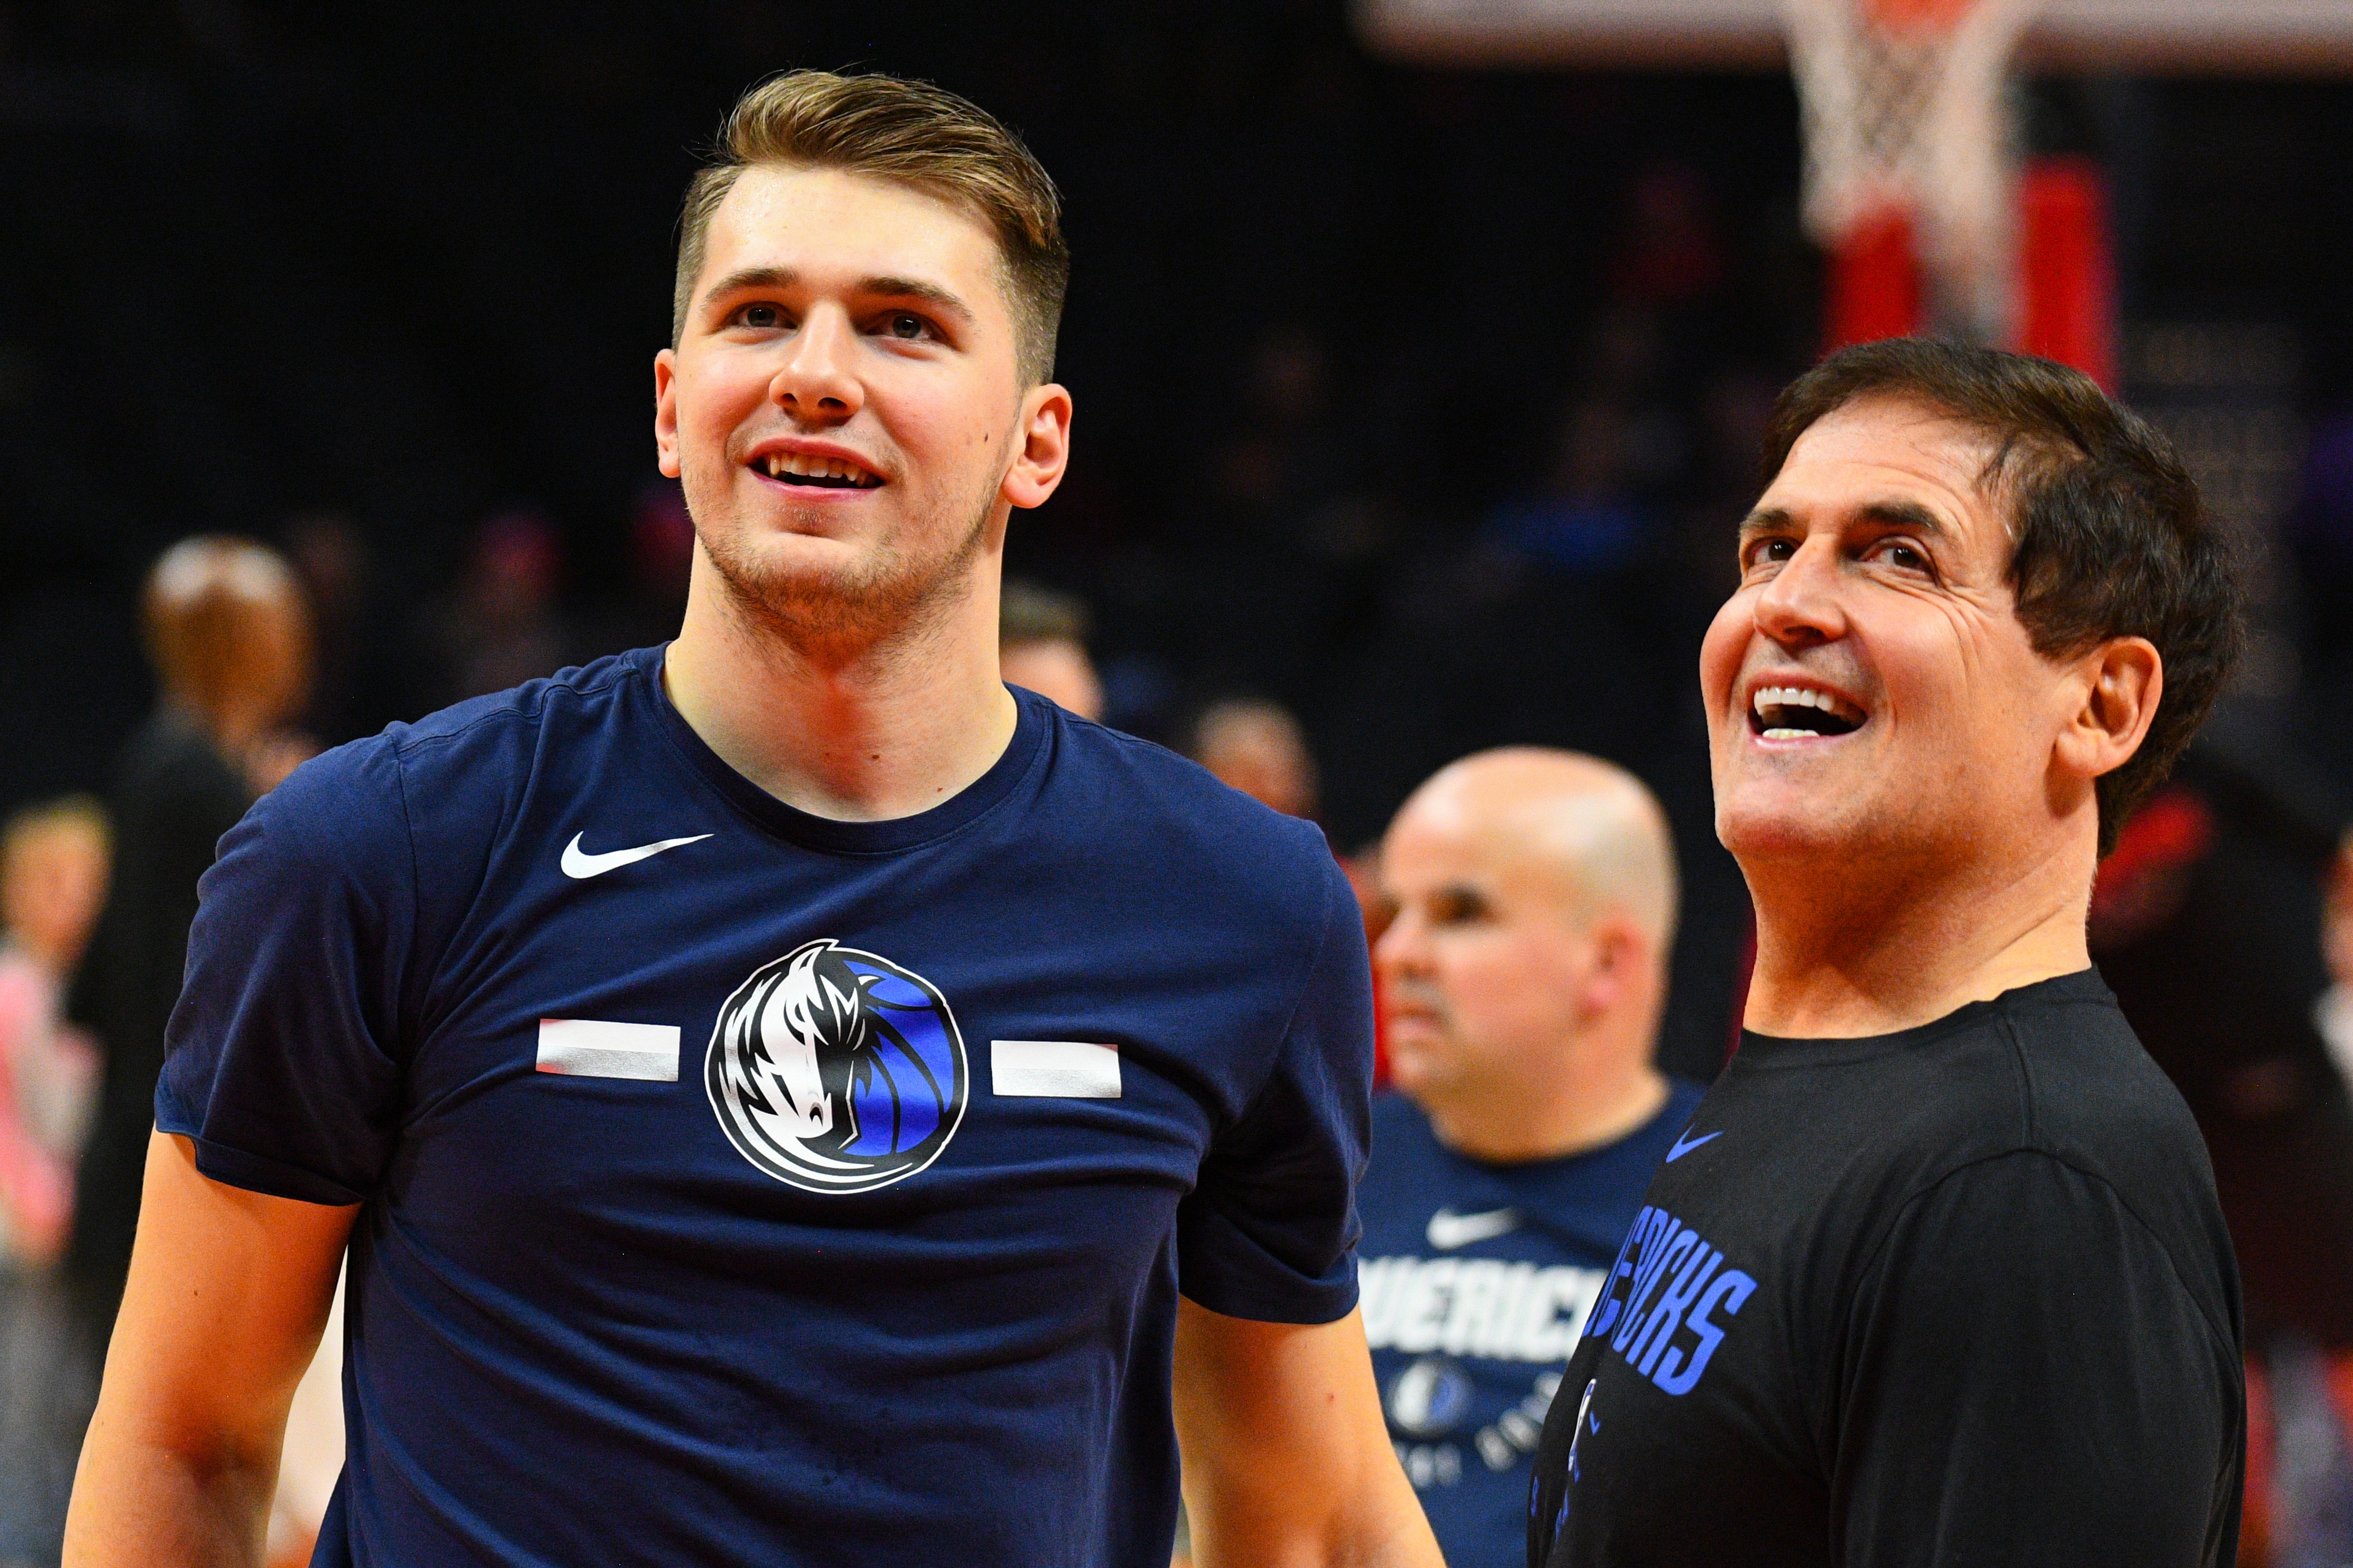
[{"x": 837, "y": 1070}]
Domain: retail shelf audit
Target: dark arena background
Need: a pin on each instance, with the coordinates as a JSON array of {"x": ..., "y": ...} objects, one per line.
[{"x": 1419, "y": 376}]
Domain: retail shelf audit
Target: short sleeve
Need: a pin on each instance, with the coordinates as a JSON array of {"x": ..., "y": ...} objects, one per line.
[
  {"x": 1270, "y": 1232},
  {"x": 2029, "y": 1379},
  {"x": 281, "y": 1063}
]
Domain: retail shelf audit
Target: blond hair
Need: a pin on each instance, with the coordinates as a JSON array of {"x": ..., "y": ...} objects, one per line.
[
  {"x": 912, "y": 132},
  {"x": 79, "y": 814}
]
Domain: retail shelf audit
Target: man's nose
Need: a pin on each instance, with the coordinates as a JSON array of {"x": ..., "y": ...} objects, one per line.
[
  {"x": 1803, "y": 605},
  {"x": 818, "y": 382},
  {"x": 1399, "y": 949}
]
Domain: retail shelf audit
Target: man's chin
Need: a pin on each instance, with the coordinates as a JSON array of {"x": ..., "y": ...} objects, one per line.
[
  {"x": 779, "y": 568},
  {"x": 1788, "y": 824},
  {"x": 1411, "y": 1069}
]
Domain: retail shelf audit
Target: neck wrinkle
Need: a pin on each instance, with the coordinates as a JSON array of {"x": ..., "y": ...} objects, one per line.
[{"x": 1833, "y": 965}]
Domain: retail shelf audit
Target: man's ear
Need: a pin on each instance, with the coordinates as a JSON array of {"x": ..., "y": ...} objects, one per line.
[
  {"x": 666, "y": 412},
  {"x": 1044, "y": 434},
  {"x": 2120, "y": 682},
  {"x": 1617, "y": 951}
]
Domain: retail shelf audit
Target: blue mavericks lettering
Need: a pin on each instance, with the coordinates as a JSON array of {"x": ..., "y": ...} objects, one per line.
[{"x": 1667, "y": 1282}]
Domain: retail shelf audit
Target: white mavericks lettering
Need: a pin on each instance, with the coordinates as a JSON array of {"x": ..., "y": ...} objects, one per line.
[{"x": 1476, "y": 1307}]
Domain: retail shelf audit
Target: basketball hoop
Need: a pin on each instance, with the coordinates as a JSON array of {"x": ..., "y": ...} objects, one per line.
[{"x": 1911, "y": 160}]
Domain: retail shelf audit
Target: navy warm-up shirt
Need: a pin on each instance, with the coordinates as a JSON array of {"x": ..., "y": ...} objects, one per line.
[
  {"x": 1477, "y": 1278},
  {"x": 739, "y": 1185}
]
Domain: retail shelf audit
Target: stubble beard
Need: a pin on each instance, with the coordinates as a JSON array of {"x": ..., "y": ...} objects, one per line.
[{"x": 888, "y": 594}]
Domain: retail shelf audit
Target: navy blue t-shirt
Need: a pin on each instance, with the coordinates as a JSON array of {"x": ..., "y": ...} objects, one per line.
[
  {"x": 743, "y": 1186},
  {"x": 1477, "y": 1278}
]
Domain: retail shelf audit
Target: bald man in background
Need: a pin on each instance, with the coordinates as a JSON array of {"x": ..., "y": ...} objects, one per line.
[{"x": 1524, "y": 974}]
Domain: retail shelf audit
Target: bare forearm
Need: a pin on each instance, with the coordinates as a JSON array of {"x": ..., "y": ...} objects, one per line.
[
  {"x": 1379, "y": 1530},
  {"x": 1287, "y": 1459},
  {"x": 136, "y": 1503},
  {"x": 221, "y": 1312}
]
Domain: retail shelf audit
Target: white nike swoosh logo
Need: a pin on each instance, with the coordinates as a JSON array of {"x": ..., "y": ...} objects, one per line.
[
  {"x": 580, "y": 865},
  {"x": 1448, "y": 1231}
]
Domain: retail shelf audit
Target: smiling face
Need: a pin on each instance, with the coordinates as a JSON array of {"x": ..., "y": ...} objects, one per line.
[
  {"x": 843, "y": 404},
  {"x": 1870, "y": 691}
]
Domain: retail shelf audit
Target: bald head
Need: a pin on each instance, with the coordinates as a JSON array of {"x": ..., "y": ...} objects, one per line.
[
  {"x": 1525, "y": 968},
  {"x": 1587, "y": 829}
]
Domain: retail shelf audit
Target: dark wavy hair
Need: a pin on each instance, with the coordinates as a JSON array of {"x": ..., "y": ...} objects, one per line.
[{"x": 2108, "y": 535}]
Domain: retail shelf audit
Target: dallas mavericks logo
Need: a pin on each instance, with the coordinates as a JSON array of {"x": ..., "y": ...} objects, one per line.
[
  {"x": 835, "y": 1071},
  {"x": 1430, "y": 1398}
]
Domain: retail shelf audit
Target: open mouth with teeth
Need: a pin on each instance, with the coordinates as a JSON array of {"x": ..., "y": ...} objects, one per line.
[
  {"x": 1801, "y": 713},
  {"x": 816, "y": 473}
]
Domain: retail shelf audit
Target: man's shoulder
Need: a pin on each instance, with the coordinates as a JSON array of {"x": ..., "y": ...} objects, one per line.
[
  {"x": 2094, "y": 1098},
  {"x": 1159, "y": 804},
  {"x": 2064, "y": 1084},
  {"x": 482, "y": 729},
  {"x": 2062, "y": 1072},
  {"x": 447, "y": 771},
  {"x": 2052, "y": 1066},
  {"x": 2046, "y": 1073}
]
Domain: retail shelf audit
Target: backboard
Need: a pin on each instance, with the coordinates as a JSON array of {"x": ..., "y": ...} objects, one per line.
[{"x": 2292, "y": 37}]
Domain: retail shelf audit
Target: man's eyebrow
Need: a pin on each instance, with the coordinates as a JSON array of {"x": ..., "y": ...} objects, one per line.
[
  {"x": 1468, "y": 895},
  {"x": 753, "y": 277},
  {"x": 750, "y": 278},
  {"x": 931, "y": 294},
  {"x": 1905, "y": 514}
]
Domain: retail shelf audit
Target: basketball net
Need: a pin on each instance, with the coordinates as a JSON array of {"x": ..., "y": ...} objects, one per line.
[{"x": 1912, "y": 161}]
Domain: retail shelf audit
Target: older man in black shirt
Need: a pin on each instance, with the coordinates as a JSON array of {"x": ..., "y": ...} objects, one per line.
[{"x": 1937, "y": 1275}]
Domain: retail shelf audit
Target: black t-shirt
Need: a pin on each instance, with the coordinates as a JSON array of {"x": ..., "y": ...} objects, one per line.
[{"x": 1960, "y": 1294}]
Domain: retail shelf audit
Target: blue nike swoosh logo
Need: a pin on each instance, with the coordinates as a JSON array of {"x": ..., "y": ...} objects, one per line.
[{"x": 1686, "y": 1143}]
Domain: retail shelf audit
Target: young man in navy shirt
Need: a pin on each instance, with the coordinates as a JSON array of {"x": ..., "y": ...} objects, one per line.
[
  {"x": 775, "y": 1088},
  {"x": 1525, "y": 971}
]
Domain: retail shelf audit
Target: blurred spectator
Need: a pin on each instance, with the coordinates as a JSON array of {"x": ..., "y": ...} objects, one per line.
[
  {"x": 1042, "y": 644},
  {"x": 2208, "y": 922},
  {"x": 53, "y": 869},
  {"x": 1523, "y": 978},
  {"x": 1279, "y": 463},
  {"x": 350, "y": 692},
  {"x": 1584, "y": 520},
  {"x": 2323, "y": 535},
  {"x": 501, "y": 626},
  {"x": 2334, "y": 1013},
  {"x": 1670, "y": 251},
  {"x": 1281, "y": 533},
  {"x": 1257, "y": 747},
  {"x": 1735, "y": 406},
  {"x": 660, "y": 556},
  {"x": 661, "y": 553},
  {"x": 229, "y": 635}
]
